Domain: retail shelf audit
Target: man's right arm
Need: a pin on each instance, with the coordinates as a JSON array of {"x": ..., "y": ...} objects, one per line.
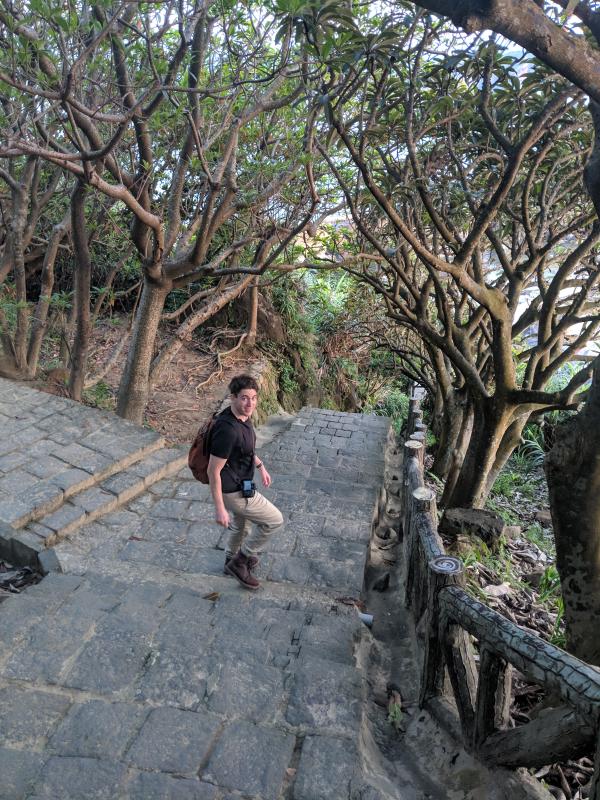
[{"x": 215, "y": 465}]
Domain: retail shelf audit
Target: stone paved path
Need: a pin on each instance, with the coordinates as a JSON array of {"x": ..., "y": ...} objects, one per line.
[{"x": 140, "y": 671}]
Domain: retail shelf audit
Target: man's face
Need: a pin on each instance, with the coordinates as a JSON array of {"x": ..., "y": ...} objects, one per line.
[{"x": 243, "y": 403}]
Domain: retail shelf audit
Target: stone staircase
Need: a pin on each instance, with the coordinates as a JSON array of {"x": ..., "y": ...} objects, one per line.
[
  {"x": 136, "y": 670},
  {"x": 63, "y": 465}
]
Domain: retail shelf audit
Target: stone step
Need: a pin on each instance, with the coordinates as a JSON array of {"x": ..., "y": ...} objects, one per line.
[
  {"x": 88, "y": 501},
  {"x": 49, "y": 473}
]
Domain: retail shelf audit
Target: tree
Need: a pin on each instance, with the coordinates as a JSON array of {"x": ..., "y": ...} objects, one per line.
[
  {"x": 181, "y": 114},
  {"x": 30, "y": 245},
  {"x": 565, "y": 36},
  {"x": 468, "y": 205}
]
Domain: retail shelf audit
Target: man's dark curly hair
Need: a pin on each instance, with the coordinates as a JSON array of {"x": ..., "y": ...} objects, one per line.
[{"x": 242, "y": 382}]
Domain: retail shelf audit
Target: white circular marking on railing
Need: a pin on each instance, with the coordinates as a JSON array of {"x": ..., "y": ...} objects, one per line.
[{"x": 447, "y": 565}]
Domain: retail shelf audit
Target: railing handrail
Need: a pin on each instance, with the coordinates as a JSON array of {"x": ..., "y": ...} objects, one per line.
[
  {"x": 453, "y": 615},
  {"x": 577, "y": 682}
]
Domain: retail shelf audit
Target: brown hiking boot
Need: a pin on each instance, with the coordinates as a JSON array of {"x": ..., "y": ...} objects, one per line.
[
  {"x": 239, "y": 568},
  {"x": 253, "y": 563}
]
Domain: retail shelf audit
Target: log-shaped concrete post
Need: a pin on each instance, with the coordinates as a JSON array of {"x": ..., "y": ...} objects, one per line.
[
  {"x": 423, "y": 517},
  {"x": 492, "y": 710},
  {"x": 443, "y": 571},
  {"x": 595, "y": 785},
  {"x": 412, "y": 477}
]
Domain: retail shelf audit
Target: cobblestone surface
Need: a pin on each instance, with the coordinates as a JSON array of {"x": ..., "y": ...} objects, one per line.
[{"x": 140, "y": 671}]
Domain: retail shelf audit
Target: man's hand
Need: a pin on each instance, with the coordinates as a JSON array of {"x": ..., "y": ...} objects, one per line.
[
  {"x": 222, "y": 517},
  {"x": 265, "y": 477}
]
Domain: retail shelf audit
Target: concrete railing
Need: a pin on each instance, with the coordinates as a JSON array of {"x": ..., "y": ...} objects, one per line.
[{"x": 448, "y": 619}]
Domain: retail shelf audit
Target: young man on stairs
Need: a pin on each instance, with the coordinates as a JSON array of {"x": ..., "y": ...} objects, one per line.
[{"x": 231, "y": 466}]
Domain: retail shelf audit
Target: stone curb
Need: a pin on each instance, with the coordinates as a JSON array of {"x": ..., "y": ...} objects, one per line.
[
  {"x": 32, "y": 545},
  {"x": 58, "y": 498}
]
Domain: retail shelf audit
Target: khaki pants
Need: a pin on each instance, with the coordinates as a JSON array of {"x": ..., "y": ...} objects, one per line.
[{"x": 243, "y": 513}]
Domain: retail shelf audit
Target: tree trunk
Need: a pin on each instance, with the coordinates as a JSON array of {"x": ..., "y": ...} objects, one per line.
[
  {"x": 20, "y": 201},
  {"x": 490, "y": 423},
  {"x": 506, "y": 448},
  {"x": 40, "y": 321},
  {"x": 458, "y": 453},
  {"x": 452, "y": 419},
  {"x": 83, "y": 280},
  {"x": 573, "y": 474},
  {"x": 252, "y": 316},
  {"x": 135, "y": 381},
  {"x": 185, "y": 330}
]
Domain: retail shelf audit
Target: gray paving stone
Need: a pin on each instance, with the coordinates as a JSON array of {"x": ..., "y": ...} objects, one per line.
[
  {"x": 140, "y": 551},
  {"x": 252, "y": 759},
  {"x": 83, "y": 458},
  {"x": 340, "y": 489},
  {"x": 122, "y": 519},
  {"x": 340, "y": 507},
  {"x": 172, "y": 740},
  {"x": 48, "y": 646},
  {"x": 13, "y": 510},
  {"x": 314, "y": 572},
  {"x": 97, "y": 729},
  {"x": 191, "y": 490},
  {"x": 93, "y": 499},
  {"x": 12, "y": 461},
  {"x": 151, "y": 786},
  {"x": 305, "y": 524},
  {"x": 121, "y": 484},
  {"x": 48, "y": 561},
  {"x": 45, "y": 466},
  {"x": 18, "y": 613},
  {"x": 96, "y": 593},
  {"x": 202, "y": 512},
  {"x": 203, "y": 534},
  {"x": 152, "y": 464},
  {"x": 209, "y": 562},
  {"x": 236, "y": 689},
  {"x": 40, "y": 530},
  {"x": 111, "y": 661},
  {"x": 66, "y": 516},
  {"x": 25, "y": 547},
  {"x": 71, "y": 478},
  {"x": 290, "y": 503},
  {"x": 164, "y": 529},
  {"x": 330, "y": 549},
  {"x": 67, "y": 778},
  {"x": 141, "y": 602},
  {"x": 326, "y": 769},
  {"x": 165, "y": 507},
  {"x": 326, "y": 697},
  {"x": 28, "y": 717},
  {"x": 176, "y": 669},
  {"x": 18, "y": 771},
  {"x": 141, "y": 505},
  {"x": 162, "y": 488},
  {"x": 346, "y": 529},
  {"x": 168, "y": 555}
]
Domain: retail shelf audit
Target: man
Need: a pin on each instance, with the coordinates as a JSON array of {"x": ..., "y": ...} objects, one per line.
[{"x": 230, "y": 473}]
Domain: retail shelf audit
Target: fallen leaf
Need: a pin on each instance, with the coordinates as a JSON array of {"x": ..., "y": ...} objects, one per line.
[
  {"x": 136, "y": 539},
  {"x": 346, "y": 600},
  {"x": 211, "y": 596},
  {"x": 500, "y": 590}
]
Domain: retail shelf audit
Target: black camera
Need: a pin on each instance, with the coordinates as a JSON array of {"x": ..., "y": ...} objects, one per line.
[{"x": 248, "y": 488}]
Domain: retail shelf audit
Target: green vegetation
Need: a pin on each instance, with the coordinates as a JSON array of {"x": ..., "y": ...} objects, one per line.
[
  {"x": 393, "y": 404},
  {"x": 100, "y": 396}
]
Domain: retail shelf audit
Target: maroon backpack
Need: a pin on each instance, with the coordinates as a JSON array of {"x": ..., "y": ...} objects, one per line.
[{"x": 199, "y": 451}]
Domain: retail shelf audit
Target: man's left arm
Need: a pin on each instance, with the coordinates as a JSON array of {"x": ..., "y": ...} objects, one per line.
[{"x": 264, "y": 475}]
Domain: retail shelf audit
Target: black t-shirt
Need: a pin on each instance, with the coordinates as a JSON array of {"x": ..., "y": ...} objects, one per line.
[{"x": 234, "y": 440}]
